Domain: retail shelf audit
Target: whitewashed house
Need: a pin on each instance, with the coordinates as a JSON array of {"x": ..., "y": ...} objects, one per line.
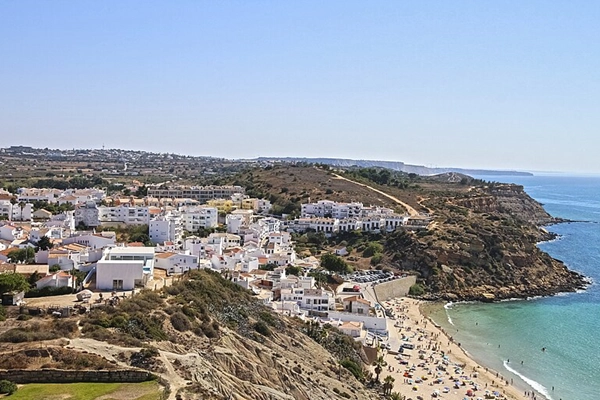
[
  {"x": 56, "y": 280},
  {"x": 123, "y": 268},
  {"x": 175, "y": 263}
]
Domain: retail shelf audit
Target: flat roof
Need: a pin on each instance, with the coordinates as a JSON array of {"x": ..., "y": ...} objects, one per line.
[{"x": 132, "y": 250}]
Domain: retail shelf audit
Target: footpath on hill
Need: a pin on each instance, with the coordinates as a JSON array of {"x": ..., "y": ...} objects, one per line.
[{"x": 410, "y": 210}]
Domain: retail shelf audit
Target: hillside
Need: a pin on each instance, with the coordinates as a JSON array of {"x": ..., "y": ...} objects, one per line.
[
  {"x": 206, "y": 338},
  {"x": 481, "y": 244}
]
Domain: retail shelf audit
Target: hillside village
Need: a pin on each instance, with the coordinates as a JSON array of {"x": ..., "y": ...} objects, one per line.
[{"x": 185, "y": 228}]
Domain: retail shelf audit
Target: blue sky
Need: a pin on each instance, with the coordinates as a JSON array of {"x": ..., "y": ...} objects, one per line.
[{"x": 503, "y": 84}]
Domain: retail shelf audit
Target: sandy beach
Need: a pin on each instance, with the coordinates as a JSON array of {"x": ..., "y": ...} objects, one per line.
[{"x": 437, "y": 367}]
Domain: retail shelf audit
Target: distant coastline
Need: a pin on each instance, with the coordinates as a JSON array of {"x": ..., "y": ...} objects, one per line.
[{"x": 393, "y": 165}]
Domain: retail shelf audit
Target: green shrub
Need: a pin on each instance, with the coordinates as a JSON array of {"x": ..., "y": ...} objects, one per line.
[
  {"x": 416, "y": 290},
  {"x": 353, "y": 367},
  {"x": 180, "y": 322},
  {"x": 372, "y": 249},
  {"x": 7, "y": 387},
  {"x": 49, "y": 291},
  {"x": 376, "y": 259},
  {"x": 262, "y": 328},
  {"x": 31, "y": 333}
]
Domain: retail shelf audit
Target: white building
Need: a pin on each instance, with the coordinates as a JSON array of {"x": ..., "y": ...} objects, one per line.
[
  {"x": 329, "y": 226},
  {"x": 22, "y": 213},
  {"x": 57, "y": 280},
  {"x": 166, "y": 228},
  {"x": 125, "y": 214},
  {"x": 175, "y": 263},
  {"x": 92, "y": 240},
  {"x": 309, "y": 299},
  {"x": 34, "y": 194},
  {"x": 11, "y": 232},
  {"x": 201, "y": 193},
  {"x": 332, "y": 209},
  {"x": 123, "y": 268},
  {"x": 234, "y": 223},
  {"x": 87, "y": 214},
  {"x": 194, "y": 218},
  {"x": 6, "y": 209},
  {"x": 225, "y": 240}
]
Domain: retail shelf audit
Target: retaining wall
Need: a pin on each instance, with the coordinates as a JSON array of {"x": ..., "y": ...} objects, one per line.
[{"x": 395, "y": 288}]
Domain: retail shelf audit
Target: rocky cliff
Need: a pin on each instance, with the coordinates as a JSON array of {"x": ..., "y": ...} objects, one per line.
[{"x": 483, "y": 247}]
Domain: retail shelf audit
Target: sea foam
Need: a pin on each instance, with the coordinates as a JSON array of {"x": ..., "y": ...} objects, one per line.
[
  {"x": 448, "y": 306},
  {"x": 538, "y": 387}
]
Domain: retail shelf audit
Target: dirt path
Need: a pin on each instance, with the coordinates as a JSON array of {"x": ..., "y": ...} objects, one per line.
[
  {"x": 110, "y": 352},
  {"x": 411, "y": 211}
]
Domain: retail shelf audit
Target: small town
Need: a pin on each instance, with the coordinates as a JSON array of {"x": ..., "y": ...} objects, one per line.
[
  {"x": 274, "y": 200},
  {"x": 137, "y": 272},
  {"x": 73, "y": 251}
]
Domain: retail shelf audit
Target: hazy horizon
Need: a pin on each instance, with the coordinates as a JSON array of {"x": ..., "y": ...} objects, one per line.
[{"x": 502, "y": 86}]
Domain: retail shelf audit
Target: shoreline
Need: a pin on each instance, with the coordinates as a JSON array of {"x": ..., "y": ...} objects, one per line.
[
  {"x": 437, "y": 364},
  {"x": 425, "y": 310}
]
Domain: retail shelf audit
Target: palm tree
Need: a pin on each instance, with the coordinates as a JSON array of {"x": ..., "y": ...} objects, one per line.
[
  {"x": 379, "y": 363},
  {"x": 22, "y": 206},
  {"x": 388, "y": 384}
]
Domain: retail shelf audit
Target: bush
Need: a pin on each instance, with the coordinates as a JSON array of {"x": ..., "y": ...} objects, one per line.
[
  {"x": 416, "y": 290},
  {"x": 376, "y": 259},
  {"x": 262, "y": 328},
  {"x": 49, "y": 291},
  {"x": 372, "y": 249},
  {"x": 31, "y": 333},
  {"x": 180, "y": 322},
  {"x": 353, "y": 367},
  {"x": 7, "y": 387},
  {"x": 2, "y": 313}
]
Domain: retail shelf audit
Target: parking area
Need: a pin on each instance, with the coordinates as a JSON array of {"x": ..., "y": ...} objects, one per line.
[{"x": 371, "y": 276}]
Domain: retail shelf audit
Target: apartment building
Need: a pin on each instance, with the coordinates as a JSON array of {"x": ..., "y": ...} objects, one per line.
[{"x": 201, "y": 193}]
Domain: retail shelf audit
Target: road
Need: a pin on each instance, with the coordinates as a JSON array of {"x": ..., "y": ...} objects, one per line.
[{"x": 409, "y": 209}]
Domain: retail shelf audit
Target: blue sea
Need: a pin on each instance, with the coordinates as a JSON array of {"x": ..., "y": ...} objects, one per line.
[{"x": 509, "y": 336}]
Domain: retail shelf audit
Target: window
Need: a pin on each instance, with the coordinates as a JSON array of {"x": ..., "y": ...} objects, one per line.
[{"x": 118, "y": 284}]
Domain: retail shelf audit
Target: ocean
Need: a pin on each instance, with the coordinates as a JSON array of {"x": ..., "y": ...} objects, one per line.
[{"x": 510, "y": 336}]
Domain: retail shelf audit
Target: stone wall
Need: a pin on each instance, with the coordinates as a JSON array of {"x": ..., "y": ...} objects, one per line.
[
  {"x": 72, "y": 376},
  {"x": 395, "y": 288}
]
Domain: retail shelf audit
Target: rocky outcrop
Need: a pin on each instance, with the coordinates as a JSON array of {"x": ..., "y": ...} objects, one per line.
[{"x": 484, "y": 248}]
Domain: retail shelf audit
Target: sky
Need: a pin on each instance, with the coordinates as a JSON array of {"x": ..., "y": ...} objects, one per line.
[{"x": 474, "y": 84}]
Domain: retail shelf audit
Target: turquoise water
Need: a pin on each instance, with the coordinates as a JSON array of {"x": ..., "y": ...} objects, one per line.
[{"x": 502, "y": 335}]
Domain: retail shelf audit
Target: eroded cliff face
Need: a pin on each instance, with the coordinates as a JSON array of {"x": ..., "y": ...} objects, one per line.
[
  {"x": 483, "y": 247},
  {"x": 506, "y": 199},
  {"x": 281, "y": 368}
]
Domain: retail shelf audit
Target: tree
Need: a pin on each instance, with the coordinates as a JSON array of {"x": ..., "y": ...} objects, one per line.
[
  {"x": 388, "y": 384},
  {"x": 141, "y": 191},
  {"x": 293, "y": 270},
  {"x": 334, "y": 263},
  {"x": 26, "y": 255},
  {"x": 372, "y": 249},
  {"x": 44, "y": 243},
  {"x": 33, "y": 278},
  {"x": 379, "y": 363},
  {"x": 268, "y": 267},
  {"x": 22, "y": 206},
  {"x": 13, "y": 283}
]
